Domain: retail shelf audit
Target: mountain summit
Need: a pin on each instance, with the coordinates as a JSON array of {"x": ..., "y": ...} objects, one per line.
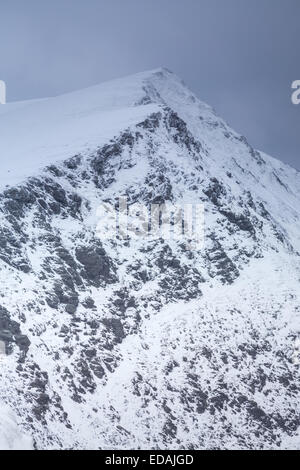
[{"x": 136, "y": 343}]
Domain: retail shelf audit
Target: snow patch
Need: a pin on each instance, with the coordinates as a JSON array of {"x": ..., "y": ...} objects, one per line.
[{"x": 11, "y": 437}]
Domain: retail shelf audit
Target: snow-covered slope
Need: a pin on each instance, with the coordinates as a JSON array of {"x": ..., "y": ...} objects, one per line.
[
  {"x": 10, "y": 437},
  {"x": 146, "y": 343},
  {"x": 36, "y": 133}
]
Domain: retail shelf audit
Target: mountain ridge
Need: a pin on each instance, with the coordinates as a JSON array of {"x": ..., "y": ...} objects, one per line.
[{"x": 137, "y": 344}]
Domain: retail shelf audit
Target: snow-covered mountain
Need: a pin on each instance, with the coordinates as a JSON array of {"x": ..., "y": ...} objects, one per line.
[{"x": 138, "y": 343}]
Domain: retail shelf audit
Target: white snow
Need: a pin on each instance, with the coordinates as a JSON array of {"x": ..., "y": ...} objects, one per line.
[
  {"x": 36, "y": 133},
  {"x": 11, "y": 437},
  {"x": 265, "y": 298}
]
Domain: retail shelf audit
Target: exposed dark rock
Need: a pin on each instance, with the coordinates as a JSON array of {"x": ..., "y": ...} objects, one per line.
[
  {"x": 97, "y": 266},
  {"x": 115, "y": 326},
  {"x": 10, "y": 333}
]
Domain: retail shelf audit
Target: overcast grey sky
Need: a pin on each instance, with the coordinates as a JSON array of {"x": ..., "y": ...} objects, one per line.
[{"x": 240, "y": 56}]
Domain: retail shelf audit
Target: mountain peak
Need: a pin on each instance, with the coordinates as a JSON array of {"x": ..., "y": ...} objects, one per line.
[
  {"x": 146, "y": 342},
  {"x": 84, "y": 119}
]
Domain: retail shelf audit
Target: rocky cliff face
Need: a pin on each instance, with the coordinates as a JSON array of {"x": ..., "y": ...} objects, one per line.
[{"x": 138, "y": 343}]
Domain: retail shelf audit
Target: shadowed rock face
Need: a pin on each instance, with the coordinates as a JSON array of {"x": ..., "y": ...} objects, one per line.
[
  {"x": 10, "y": 333},
  {"x": 96, "y": 263},
  {"x": 153, "y": 344}
]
